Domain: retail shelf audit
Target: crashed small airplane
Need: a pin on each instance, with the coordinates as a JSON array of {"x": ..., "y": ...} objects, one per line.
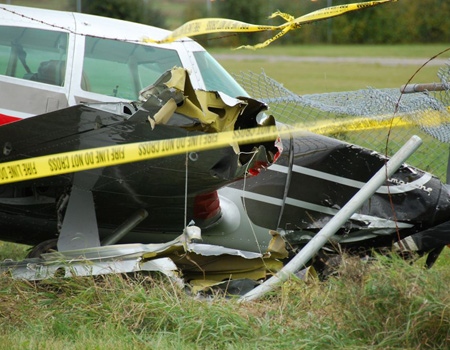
[
  {"x": 71, "y": 81},
  {"x": 179, "y": 104}
]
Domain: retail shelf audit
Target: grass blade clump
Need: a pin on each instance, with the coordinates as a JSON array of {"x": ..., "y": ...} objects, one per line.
[{"x": 386, "y": 303}]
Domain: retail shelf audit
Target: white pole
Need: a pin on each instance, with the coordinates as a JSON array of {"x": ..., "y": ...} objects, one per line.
[{"x": 318, "y": 241}]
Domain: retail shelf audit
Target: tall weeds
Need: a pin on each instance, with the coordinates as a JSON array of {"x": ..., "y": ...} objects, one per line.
[{"x": 387, "y": 303}]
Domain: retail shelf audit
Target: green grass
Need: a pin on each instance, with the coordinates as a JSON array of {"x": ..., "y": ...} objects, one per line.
[
  {"x": 384, "y": 304},
  {"x": 308, "y": 77},
  {"x": 12, "y": 251},
  {"x": 402, "y": 51}
]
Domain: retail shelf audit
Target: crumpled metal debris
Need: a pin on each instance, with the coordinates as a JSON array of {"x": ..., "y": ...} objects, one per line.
[
  {"x": 200, "y": 266},
  {"x": 173, "y": 91}
]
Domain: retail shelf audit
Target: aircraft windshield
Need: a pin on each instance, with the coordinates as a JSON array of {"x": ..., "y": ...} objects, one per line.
[
  {"x": 122, "y": 69},
  {"x": 216, "y": 78}
]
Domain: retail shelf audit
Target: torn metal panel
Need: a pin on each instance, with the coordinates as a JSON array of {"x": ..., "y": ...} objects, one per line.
[
  {"x": 199, "y": 264},
  {"x": 229, "y": 264},
  {"x": 217, "y": 263},
  {"x": 277, "y": 246},
  {"x": 164, "y": 114},
  {"x": 212, "y": 109},
  {"x": 93, "y": 261},
  {"x": 40, "y": 269}
]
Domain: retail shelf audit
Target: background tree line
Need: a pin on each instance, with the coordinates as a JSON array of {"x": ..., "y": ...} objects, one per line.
[{"x": 401, "y": 22}]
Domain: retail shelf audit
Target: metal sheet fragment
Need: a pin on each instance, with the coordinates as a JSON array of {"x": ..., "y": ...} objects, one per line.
[
  {"x": 173, "y": 92},
  {"x": 200, "y": 265}
]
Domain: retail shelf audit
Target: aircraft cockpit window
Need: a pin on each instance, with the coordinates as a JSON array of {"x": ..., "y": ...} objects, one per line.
[
  {"x": 216, "y": 78},
  {"x": 122, "y": 69},
  {"x": 33, "y": 54}
]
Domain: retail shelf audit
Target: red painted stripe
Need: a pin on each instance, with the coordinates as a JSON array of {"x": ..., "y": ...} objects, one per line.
[{"x": 6, "y": 119}]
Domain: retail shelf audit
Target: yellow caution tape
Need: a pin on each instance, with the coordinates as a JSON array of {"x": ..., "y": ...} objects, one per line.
[
  {"x": 358, "y": 124},
  {"x": 80, "y": 160},
  {"x": 74, "y": 161},
  {"x": 422, "y": 118},
  {"x": 221, "y": 25}
]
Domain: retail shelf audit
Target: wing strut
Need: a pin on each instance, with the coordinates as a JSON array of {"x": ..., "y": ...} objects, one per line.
[{"x": 79, "y": 228}]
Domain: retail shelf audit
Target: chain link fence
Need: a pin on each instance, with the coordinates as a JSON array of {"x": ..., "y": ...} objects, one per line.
[{"x": 378, "y": 119}]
